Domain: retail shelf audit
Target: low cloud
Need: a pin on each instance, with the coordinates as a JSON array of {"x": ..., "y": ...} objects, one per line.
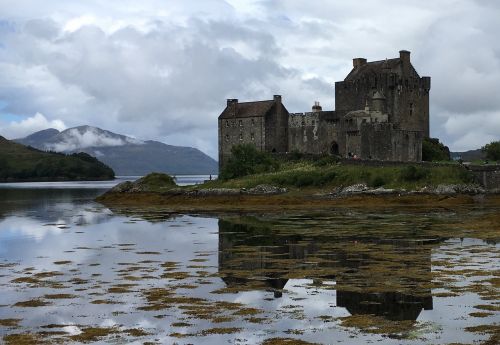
[
  {"x": 20, "y": 129},
  {"x": 77, "y": 138}
]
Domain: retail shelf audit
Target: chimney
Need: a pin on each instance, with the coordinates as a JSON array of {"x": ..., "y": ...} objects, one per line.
[
  {"x": 357, "y": 62},
  {"x": 404, "y": 56},
  {"x": 277, "y": 98},
  {"x": 232, "y": 105},
  {"x": 316, "y": 108}
]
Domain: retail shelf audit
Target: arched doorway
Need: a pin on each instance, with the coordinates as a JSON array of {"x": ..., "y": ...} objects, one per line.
[{"x": 334, "y": 148}]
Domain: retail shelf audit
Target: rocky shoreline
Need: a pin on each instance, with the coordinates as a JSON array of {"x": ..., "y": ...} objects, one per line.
[
  {"x": 357, "y": 189},
  {"x": 268, "y": 198}
]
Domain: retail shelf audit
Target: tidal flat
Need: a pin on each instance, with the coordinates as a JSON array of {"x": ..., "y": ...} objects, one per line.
[{"x": 74, "y": 271}]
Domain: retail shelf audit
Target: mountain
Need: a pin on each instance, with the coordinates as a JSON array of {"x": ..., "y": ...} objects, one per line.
[
  {"x": 469, "y": 156},
  {"x": 22, "y": 163},
  {"x": 126, "y": 155},
  {"x": 35, "y": 138}
]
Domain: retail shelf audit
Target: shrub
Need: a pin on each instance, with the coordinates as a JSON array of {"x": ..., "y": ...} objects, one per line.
[
  {"x": 300, "y": 178},
  {"x": 412, "y": 173},
  {"x": 466, "y": 176},
  {"x": 377, "y": 181},
  {"x": 492, "y": 150},
  {"x": 247, "y": 160},
  {"x": 326, "y": 160},
  {"x": 433, "y": 150},
  {"x": 295, "y": 155}
]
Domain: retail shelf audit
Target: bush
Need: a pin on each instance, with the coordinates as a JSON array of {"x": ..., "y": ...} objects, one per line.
[
  {"x": 247, "y": 160},
  {"x": 412, "y": 173},
  {"x": 433, "y": 150},
  {"x": 300, "y": 178},
  {"x": 326, "y": 160},
  {"x": 492, "y": 150},
  {"x": 296, "y": 155},
  {"x": 377, "y": 181}
]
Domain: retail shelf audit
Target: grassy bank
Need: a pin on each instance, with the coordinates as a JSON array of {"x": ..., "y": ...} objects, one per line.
[
  {"x": 307, "y": 185},
  {"x": 325, "y": 175}
]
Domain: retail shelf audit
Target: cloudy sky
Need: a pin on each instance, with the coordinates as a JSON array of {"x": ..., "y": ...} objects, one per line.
[{"x": 162, "y": 69}]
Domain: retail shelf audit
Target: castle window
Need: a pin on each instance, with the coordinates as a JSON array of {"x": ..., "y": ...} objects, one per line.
[
  {"x": 411, "y": 109},
  {"x": 227, "y": 123},
  {"x": 252, "y": 136},
  {"x": 241, "y": 123},
  {"x": 227, "y": 137},
  {"x": 241, "y": 136},
  {"x": 253, "y": 122}
]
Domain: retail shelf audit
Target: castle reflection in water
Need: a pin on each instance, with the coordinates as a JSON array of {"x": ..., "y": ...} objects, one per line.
[{"x": 384, "y": 275}]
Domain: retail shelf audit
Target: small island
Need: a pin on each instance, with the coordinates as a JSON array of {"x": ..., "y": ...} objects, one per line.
[
  {"x": 19, "y": 163},
  {"x": 256, "y": 181}
]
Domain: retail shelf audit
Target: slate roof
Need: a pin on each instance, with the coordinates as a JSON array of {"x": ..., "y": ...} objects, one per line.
[
  {"x": 249, "y": 109},
  {"x": 377, "y": 67}
]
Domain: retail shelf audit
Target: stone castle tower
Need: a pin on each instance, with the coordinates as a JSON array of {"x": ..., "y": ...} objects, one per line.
[{"x": 381, "y": 112}]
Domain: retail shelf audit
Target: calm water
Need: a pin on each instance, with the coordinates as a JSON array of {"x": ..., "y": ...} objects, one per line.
[{"x": 73, "y": 270}]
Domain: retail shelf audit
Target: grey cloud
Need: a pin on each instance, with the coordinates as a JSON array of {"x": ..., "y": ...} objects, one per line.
[{"x": 168, "y": 77}]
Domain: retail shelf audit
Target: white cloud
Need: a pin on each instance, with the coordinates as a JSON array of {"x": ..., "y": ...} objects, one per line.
[
  {"x": 161, "y": 69},
  {"x": 81, "y": 138},
  {"x": 20, "y": 129}
]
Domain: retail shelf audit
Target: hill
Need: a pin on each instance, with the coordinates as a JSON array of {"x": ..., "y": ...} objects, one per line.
[
  {"x": 469, "y": 156},
  {"x": 126, "y": 155},
  {"x": 24, "y": 163}
]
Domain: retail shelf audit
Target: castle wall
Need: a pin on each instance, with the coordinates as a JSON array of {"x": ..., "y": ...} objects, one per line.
[
  {"x": 240, "y": 130},
  {"x": 487, "y": 175},
  {"x": 407, "y": 99},
  {"x": 314, "y": 133},
  {"x": 382, "y": 142},
  {"x": 276, "y": 128}
]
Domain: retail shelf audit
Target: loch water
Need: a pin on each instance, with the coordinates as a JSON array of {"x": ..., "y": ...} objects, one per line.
[{"x": 73, "y": 270}]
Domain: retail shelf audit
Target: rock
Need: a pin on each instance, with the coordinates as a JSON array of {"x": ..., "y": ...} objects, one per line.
[
  {"x": 382, "y": 190},
  {"x": 154, "y": 182},
  {"x": 265, "y": 189},
  {"x": 123, "y": 187},
  {"x": 458, "y": 189},
  {"x": 214, "y": 192},
  {"x": 355, "y": 188}
]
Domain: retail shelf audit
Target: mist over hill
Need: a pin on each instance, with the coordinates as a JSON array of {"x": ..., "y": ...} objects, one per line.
[{"x": 126, "y": 155}]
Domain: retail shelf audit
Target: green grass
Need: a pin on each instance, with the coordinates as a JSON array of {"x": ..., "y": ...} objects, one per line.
[{"x": 311, "y": 175}]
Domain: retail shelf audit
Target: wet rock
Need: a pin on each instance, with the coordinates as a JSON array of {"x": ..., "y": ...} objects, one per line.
[
  {"x": 214, "y": 192},
  {"x": 382, "y": 190},
  {"x": 458, "y": 189},
  {"x": 266, "y": 189},
  {"x": 355, "y": 188}
]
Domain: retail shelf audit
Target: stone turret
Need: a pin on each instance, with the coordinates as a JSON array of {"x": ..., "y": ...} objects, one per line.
[
  {"x": 316, "y": 108},
  {"x": 378, "y": 102}
]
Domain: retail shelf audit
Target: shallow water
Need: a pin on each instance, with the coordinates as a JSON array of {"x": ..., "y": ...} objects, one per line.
[{"x": 72, "y": 270}]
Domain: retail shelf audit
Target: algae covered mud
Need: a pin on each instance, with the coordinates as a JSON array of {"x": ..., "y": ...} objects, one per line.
[{"x": 74, "y": 271}]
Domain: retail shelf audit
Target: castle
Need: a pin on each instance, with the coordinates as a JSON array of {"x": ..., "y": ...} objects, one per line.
[{"x": 381, "y": 112}]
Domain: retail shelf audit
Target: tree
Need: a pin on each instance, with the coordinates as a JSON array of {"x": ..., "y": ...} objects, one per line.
[
  {"x": 433, "y": 150},
  {"x": 246, "y": 160},
  {"x": 492, "y": 150}
]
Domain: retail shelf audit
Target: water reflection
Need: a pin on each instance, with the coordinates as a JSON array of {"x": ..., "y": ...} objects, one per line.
[
  {"x": 351, "y": 275},
  {"x": 255, "y": 255}
]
